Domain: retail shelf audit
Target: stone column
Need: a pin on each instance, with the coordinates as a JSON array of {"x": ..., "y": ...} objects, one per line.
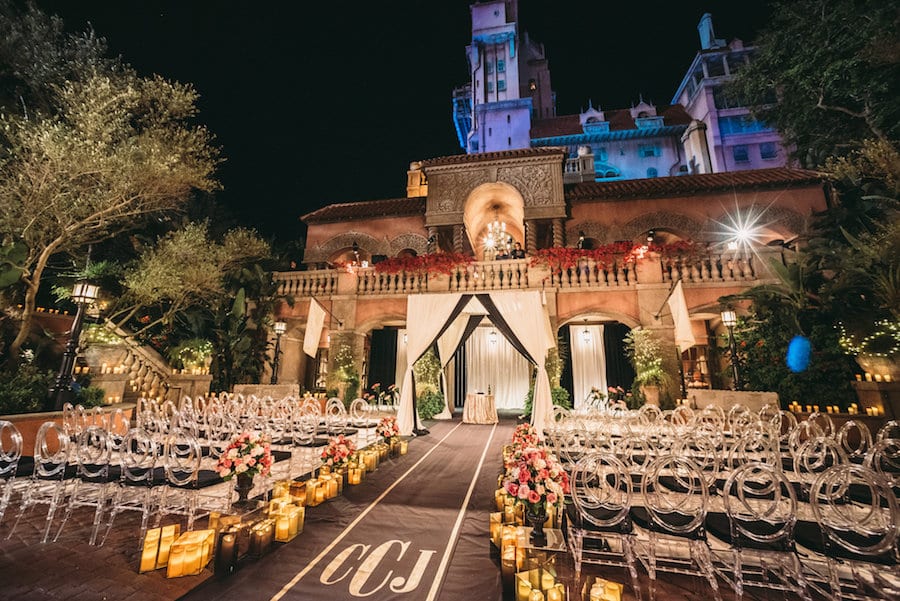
[
  {"x": 433, "y": 242},
  {"x": 530, "y": 236},
  {"x": 458, "y": 238},
  {"x": 559, "y": 234}
]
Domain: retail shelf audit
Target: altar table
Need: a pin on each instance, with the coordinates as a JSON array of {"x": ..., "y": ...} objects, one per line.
[{"x": 479, "y": 409}]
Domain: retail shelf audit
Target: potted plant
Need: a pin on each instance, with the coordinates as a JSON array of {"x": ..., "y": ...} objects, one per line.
[{"x": 645, "y": 351}]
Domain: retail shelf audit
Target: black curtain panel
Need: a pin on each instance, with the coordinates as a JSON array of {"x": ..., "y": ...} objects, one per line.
[
  {"x": 564, "y": 341},
  {"x": 459, "y": 377},
  {"x": 619, "y": 371},
  {"x": 383, "y": 358}
]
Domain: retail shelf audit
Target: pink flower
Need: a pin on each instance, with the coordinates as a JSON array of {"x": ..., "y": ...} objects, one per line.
[
  {"x": 552, "y": 498},
  {"x": 534, "y": 497},
  {"x": 512, "y": 488}
]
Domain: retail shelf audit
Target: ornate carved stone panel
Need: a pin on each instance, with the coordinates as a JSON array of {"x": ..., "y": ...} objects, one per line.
[
  {"x": 678, "y": 224},
  {"x": 412, "y": 241}
]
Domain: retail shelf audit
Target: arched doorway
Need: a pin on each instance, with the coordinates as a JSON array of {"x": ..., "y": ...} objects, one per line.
[
  {"x": 593, "y": 353},
  {"x": 491, "y": 202}
]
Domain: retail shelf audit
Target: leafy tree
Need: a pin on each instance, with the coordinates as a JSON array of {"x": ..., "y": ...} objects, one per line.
[
  {"x": 833, "y": 66},
  {"x": 103, "y": 150}
]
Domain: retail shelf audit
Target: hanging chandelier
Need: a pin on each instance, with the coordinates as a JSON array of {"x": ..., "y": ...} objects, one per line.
[{"x": 497, "y": 239}]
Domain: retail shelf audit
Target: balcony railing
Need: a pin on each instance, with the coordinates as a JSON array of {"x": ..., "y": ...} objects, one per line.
[{"x": 519, "y": 274}]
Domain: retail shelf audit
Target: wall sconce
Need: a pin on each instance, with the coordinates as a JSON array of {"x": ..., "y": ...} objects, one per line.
[
  {"x": 493, "y": 337},
  {"x": 405, "y": 338},
  {"x": 586, "y": 335}
]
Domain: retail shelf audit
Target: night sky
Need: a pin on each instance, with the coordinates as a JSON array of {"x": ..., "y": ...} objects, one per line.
[{"x": 321, "y": 102}]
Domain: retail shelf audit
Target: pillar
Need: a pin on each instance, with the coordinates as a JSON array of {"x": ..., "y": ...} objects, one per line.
[
  {"x": 530, "y": 236},
  {"x": 458, "y": 238},
  {"x": 559, "y": 234}
]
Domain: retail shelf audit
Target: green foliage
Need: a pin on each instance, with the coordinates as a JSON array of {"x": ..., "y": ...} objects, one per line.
[
  {"x": 24, "y": 390},
  {"x": 190, "y": 353},
  {"x": 833, "y": 65},
  {"x": 12, "y": 259},
  {"x": 427, "y": 373},
  {"x": 559, "y": 395},
  {"x": 430, "y": 404},
  {"x": 90, "y": 396},
  {"x": 344, "y": 374},
  {"x": 647, "y": 354},
  {"x": 762, "y": 341}
]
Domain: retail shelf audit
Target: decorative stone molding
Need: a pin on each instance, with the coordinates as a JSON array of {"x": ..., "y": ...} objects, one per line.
[
  {"x": 680, "y": 225},
  {"x": 604, "y": 234},
  {"x": 323, "y": 252},
  {"x": 414, "y": 242}
]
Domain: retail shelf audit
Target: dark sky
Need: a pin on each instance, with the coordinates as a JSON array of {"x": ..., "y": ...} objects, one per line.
[{"x": 322, "y": 102}]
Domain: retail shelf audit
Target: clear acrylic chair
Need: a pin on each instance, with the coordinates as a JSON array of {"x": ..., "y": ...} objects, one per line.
[
  {"x": 600, "y": 530},
  {"x": 138, "y": 479},
  {"x": 761, "y": 510},
  {"x": 182, "y": 458},
  {"x": 855, "y": 440},
  {"x": 858, "y": 516},
  {"x": 884, "y": 459},
  {"x": 890, "y": 430},
  {"x": 51, "y": 460},
  {"x": 92, "y": 485},
  {"x": 674, "y": 520},
  {"x": 10, "y": 454}
]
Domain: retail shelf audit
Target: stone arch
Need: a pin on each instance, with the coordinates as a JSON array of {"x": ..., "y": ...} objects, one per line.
[
  {"x": 602, "y": 233},
  {"x": 490, "y": 200},
  {"x": 323, "y": 252},
  {"x": 412, "y": 241},
  {"x": 595, "y": 316},
  {"x": 676, "y": 223}
]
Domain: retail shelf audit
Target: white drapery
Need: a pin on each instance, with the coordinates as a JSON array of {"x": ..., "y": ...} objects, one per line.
[
  {"x": 400, "y": 365},
  {"x": 447, "y": 344},
  {"x": 528, "y": 320},
  {"x": 588, "y": 361},
  {"x": 426, "y": 314},
  {"x": 491, "y": 361}
]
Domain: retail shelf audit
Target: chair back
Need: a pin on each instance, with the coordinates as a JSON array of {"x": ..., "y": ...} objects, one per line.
[
  {"x": 51, "y": 451},
  {"x": 761, "y": 505},
  {"x": 93, "y": 452},
  {"x": 138, "y": 456},
  {"x": 855, "y": 440},
  {"x": 680, "y": 511},
  {"x": 10, "y": 448},
  {"x": 601, "y": 489},
  {"x": 182, "y": 458}
]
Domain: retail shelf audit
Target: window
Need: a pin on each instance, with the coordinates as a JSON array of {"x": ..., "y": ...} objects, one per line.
[
  {"x": 741, "y": 155},
  {"x": 501, "y": 65},
  {"x": 532, "y": 85},
  {"x": 501, "y": 85},
  {"x": 767, "y": 150},
  {"x": 507, "y": 118},
  {"x": 490, "y": 87},
  {"x": 652, "y": 172},
  {"x": 648, "y": 150},
  {"x": 715, "y": 67},
  {"x": 740, "y": 124},
  {"x": 490, "y": 131},
  {"x": 509, "y": 141},
  {"x": 489, "y": 67}
]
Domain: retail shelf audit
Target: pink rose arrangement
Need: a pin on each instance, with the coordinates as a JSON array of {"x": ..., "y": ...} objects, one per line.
[
  {"x": 338, "y": 452},
  {"x": 536, "y": 478},
  {"x": 387, "y": 428},
  {"x": 248, "y": 454}
]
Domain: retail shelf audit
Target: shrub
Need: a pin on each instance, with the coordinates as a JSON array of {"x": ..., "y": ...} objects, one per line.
[
  {"x": 430, "y": 404},
  {"x": 90, "y": 396},
  {"x": 560, "y": 396},
  {"x": 25, "y": 390}
]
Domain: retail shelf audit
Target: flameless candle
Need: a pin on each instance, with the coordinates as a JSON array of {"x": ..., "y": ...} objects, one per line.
[
  {"x": 878, "y": 377},
  {"x": 868, "y": 377},
  {"x": 151, "y": 548},
  {"x": 282, "y": 528},
  {"x": 556, "y": 593},
  {"x": 320, "y": 494},
  {"x": 404, "y": 447},
  {"x": 888, "y": 378},
  {"x": 536, "y": 596},
  {"x": 509, "y": 514},
  {"x": 353, "y": 476},
  {"x": 226, "y": 553}
]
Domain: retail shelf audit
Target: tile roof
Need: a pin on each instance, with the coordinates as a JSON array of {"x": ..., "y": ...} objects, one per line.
[
  {"x": 690, "y": 184},
  {"x": 391, "y": 207},
  {"x": 619, "y": 120},
  {"x": 460, "y": 159}
]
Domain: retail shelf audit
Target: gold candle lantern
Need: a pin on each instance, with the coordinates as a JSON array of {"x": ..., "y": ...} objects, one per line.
[
  {"x": 536, "y": 595},
  {"x": 556, "y": 593},
  {"x": 353, "y": 476},
  {"x": 298, "y": 492},
  {"x": 282, "y": 488},
  {"x": 168, "y": 536},
  {"x": 499, "y": 498},
  {"x": 324, "y": 470},
  {"x": 262, "y": 533},
  {"x": 313, "y": 497},
  {"x": 150, "y": 550},
  {"x": 496, "y": 528},
  {"x": 509, "y": 514},
  {"x": 404, "y": 447}
]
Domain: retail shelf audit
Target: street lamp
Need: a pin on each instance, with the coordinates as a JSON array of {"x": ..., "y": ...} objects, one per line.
[
  {"x": 280, "y": 328},
  {"x": 729, "y": 320},
  {"x": 84, "y": 295}
]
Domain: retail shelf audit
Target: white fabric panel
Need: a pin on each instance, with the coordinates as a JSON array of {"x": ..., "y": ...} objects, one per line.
[
  {"x": 529, "y": 321},
  {"x": 499, "y": 365},
  {"x": 588, "y": 361},
  {"x": 400, "y": 365},
  {"x": 684, "y": 333},
  {"x": 315, "y": 319},
  {"x": 426, "y": 314},
  {"x": 446, "y": 346}
]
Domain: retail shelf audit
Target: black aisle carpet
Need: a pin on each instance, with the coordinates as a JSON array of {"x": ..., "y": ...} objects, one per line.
[{"x": 416, "y": 529}]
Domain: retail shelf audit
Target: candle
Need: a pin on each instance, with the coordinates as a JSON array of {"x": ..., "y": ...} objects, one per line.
[
  {"x": 404, "y": 447},
  {"x": 496, "y": 528},
  {"x": 557, "y": 593},
  {"x": 859, "y": 377},
  {"x": 547, "y": 580},
  {"x": 878, "y": 377},
  {"x": 868, "y": 377},
  {"x": 311, "y": 489},
  {"x": 150, "y": 550},
  {"x": 353, "y": 476},
  {"x": 509, "y": 514},
  {"x": 888, "y": 378},
  {"x": 167, "y": 537},
  {"x": 226, "y": 554},
  {"x": 536, "y": 596},
  {"x": 829, "y": 409},
  {"x": 320, "y": 495},
  {"x": 282, "y": 528}
]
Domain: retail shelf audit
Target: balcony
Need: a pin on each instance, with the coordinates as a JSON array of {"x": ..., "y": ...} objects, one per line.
[{"x": 714, "y": 268}]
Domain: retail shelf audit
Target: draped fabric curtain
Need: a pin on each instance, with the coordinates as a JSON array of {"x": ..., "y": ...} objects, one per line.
[
  {"x": 529, "y": 322},
  {"x": 619, "y": 371},
  {"x": 588, "y": 361},
  {"x": 447, "y": 344},
  {"x": 383, "y": 358},
  {"x": 493, "y": 362},
  {"x": 400, "y": 365},
  {"x": 426, "y": 317}
]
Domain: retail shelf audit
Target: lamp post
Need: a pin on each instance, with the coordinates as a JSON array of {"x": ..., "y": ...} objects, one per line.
[
  {"x": 83, "y": 295},
  {"x": 280, "y": 328},
  {"x": 729, "y": 319}
]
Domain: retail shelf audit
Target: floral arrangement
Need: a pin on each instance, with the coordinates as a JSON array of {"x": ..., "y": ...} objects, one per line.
[
  {"x": 616, "y": 393},
  {"x": 536, "y": 478},
  {"x": 525, "y": 435},
  {"x": 387, "y": 428},
  {"x": 595, "y": 398},
  {"x": 338, "y": 452},
  {"x": 248, "y": 454},
  {"x": 434, "y": 263}
]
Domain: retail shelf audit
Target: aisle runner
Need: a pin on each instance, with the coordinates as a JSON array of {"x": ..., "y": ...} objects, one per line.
[{"x": 396, "y": 543}]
